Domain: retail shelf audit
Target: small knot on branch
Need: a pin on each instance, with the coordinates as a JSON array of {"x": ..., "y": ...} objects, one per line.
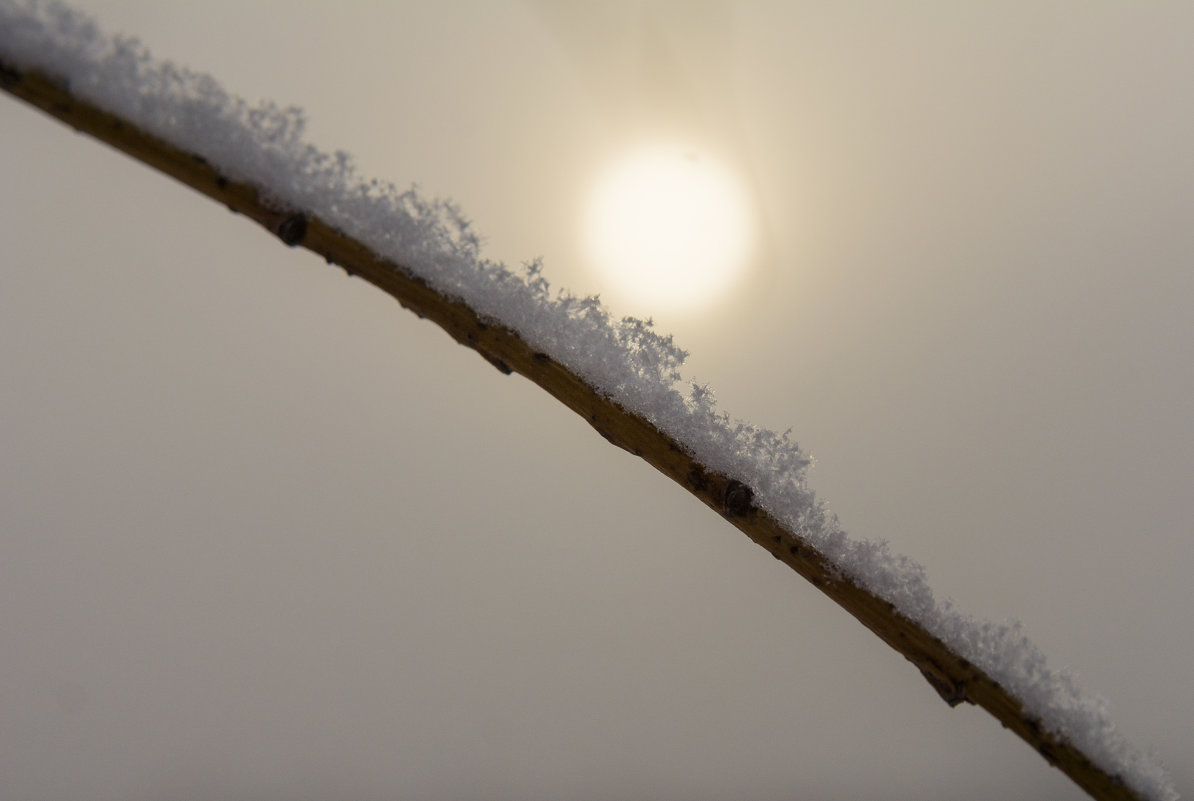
[
  {"x": 739, "y": 499},
  {"x": 293, "y": 230}
]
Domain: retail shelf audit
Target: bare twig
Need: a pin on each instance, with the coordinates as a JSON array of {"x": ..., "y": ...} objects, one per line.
[{"x": 952, "y": 676}]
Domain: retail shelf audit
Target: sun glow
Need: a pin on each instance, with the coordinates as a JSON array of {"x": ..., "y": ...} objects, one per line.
[{"x": 669, "y": 227}]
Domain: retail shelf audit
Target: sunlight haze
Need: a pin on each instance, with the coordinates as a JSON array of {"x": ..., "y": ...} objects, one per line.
[
  {"x": 264, "y": 534},
  {"x": 669, "y": 227}
]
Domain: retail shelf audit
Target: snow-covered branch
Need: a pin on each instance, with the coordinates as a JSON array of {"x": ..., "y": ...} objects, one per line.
[{"x": 620, "y": 375}]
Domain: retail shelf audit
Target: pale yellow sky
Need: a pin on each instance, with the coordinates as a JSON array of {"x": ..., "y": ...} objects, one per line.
[{"x": 266, "y": 535}]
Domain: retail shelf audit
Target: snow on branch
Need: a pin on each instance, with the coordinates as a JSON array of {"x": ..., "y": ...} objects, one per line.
[{"x": 621, "y": 374}]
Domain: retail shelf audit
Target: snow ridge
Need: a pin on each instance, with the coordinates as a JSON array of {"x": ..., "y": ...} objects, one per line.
[{"x": 626, "y": 358}]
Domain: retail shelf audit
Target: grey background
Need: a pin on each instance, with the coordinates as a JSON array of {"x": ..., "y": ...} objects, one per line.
[{"x": 267, "y": 536}]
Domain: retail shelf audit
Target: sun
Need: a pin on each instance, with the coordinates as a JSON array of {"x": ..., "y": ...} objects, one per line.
[{"x": 668, "y": 227}]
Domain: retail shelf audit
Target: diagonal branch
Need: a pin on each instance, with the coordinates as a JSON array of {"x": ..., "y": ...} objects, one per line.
[{"x": 952, "y": 676}]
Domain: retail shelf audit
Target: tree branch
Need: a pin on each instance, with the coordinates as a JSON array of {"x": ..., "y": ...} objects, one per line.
[{"x": 952, "y": 676}]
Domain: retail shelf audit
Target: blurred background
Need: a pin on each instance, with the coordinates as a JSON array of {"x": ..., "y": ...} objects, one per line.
[{"x": 267, "y": 536}]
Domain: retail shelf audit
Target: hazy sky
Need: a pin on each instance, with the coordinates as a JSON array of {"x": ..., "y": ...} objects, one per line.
[{"x": 267, "y": 536}]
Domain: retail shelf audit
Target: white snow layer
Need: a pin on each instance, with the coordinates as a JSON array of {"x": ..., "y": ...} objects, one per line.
[{"x": 626, "y": 359}]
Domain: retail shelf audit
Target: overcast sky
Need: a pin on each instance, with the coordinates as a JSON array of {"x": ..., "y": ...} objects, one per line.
[{"x": 265, "y": 535}]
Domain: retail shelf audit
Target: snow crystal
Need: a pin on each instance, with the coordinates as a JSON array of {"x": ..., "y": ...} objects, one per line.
[{"x": 626, "y": 359}]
